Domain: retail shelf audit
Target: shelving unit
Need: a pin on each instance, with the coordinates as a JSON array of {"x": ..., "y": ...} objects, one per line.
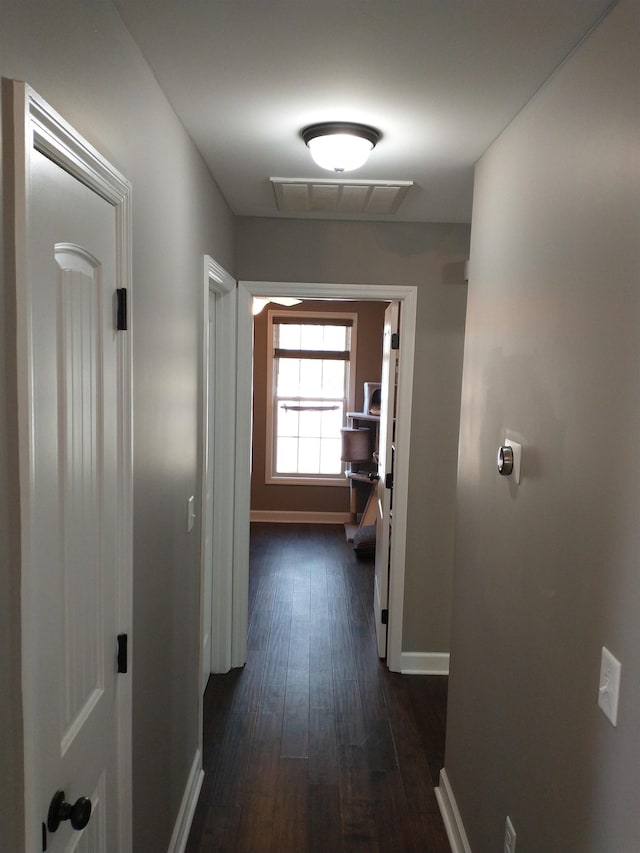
[{"x": 364, "y": 473}]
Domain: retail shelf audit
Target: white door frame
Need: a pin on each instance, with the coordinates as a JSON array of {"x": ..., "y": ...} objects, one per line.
[
  {"x": 36, "y": 125},
  {"x": 407, "y": 296},
  {"x": 219, "y": 285}
]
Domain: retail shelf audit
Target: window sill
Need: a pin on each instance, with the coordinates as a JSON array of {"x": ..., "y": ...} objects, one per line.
[{"x": 307, "y": 481}]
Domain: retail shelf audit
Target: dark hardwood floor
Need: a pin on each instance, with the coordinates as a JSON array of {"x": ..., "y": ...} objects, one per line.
[{"x": 315, "y": 747}]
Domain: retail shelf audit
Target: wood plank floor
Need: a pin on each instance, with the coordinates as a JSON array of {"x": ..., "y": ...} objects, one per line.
[{"x": 315, "y": 747}]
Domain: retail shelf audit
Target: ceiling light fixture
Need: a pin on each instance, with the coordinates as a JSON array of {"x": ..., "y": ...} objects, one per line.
[
  {"x": 340, "y": 146},
  {"x": 259, "y": 302}
]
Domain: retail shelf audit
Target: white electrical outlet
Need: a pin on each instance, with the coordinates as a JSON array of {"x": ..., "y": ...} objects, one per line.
[
  {"x": 609, "y": 687},
  {"x": 509, "y": 837}
]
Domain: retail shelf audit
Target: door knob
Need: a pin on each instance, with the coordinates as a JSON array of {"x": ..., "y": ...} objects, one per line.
[
  {"x": 505, "y": 460},
  {"x": 78, "y": 814}
]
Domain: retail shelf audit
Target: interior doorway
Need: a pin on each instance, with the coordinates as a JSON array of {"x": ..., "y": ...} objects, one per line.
[
  {"x": 218, "y": 451},
  {"x": 407, "y": 297}
]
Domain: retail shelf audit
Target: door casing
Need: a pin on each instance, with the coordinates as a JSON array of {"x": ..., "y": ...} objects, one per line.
[
  {"x": 221, "y": 286},
  {"x": 407, "y": 296}
]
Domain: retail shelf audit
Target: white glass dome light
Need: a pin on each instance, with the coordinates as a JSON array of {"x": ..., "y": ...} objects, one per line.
[
  {"x": 259, "y": 302},
  {"x": 340, "y": 146}
]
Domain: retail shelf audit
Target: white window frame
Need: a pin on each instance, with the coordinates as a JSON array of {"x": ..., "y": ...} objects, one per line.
[{"x": 271, "y": 478}]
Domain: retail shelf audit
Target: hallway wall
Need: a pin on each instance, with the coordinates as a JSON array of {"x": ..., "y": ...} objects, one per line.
[
  {"x": 78, "y": 56},
  {"x": 548, "y": 572},
  {"x": 430, "y": 256}
]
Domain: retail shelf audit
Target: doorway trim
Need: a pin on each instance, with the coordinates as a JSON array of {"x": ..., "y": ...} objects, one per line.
[
  {"x": 219, "y": 284},
  {"x": 35, "y": 125},
  {"x": 407, "y": 296}
]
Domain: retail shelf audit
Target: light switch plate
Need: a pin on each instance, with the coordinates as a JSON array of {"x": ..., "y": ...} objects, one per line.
[
  {"x": 609, "y": 688},
  {"x": 517, "y": 457}
]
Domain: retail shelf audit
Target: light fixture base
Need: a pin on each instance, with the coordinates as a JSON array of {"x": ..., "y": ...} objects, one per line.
[{"x": 332, "y": 128}]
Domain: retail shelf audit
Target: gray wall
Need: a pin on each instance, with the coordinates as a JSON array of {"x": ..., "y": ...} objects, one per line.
[
  {"x": 431, "y": 257},
  {"x": 78, "y": 55},
  {"x": 548, "y": 573}
]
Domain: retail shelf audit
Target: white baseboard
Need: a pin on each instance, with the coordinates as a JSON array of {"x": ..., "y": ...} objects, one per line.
[
  {"x": 451, "y": 816},
  {"x": 182, "y": 826},
  {"x": 300, "y": 517},
  {"x": 424, "y": 663}
]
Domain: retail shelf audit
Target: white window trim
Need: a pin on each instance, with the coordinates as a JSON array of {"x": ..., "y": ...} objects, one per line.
[{"x": 270, "y": 477}]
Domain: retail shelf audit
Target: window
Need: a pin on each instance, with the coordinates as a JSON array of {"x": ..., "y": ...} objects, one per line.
[{"x": 311, "y": 371}]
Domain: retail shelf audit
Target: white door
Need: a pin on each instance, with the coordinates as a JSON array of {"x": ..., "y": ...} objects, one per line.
[
  {"x": 384, "y": 496},
  {"x": 74, "y": 453},
  {"x": 208, "y": 508}
]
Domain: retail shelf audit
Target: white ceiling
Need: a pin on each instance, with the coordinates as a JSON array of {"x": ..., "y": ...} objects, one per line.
[{"x": 439, "y": 78}]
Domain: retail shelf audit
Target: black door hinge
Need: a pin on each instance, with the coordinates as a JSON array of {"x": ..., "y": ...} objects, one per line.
[
  {"x": 388, "y": 481},
  {"x": 122, "y": 653},
  {"x": 384, "y": 616},
  {"x": 121, "y": 320},
  {"x": 395, "y": 340}
]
